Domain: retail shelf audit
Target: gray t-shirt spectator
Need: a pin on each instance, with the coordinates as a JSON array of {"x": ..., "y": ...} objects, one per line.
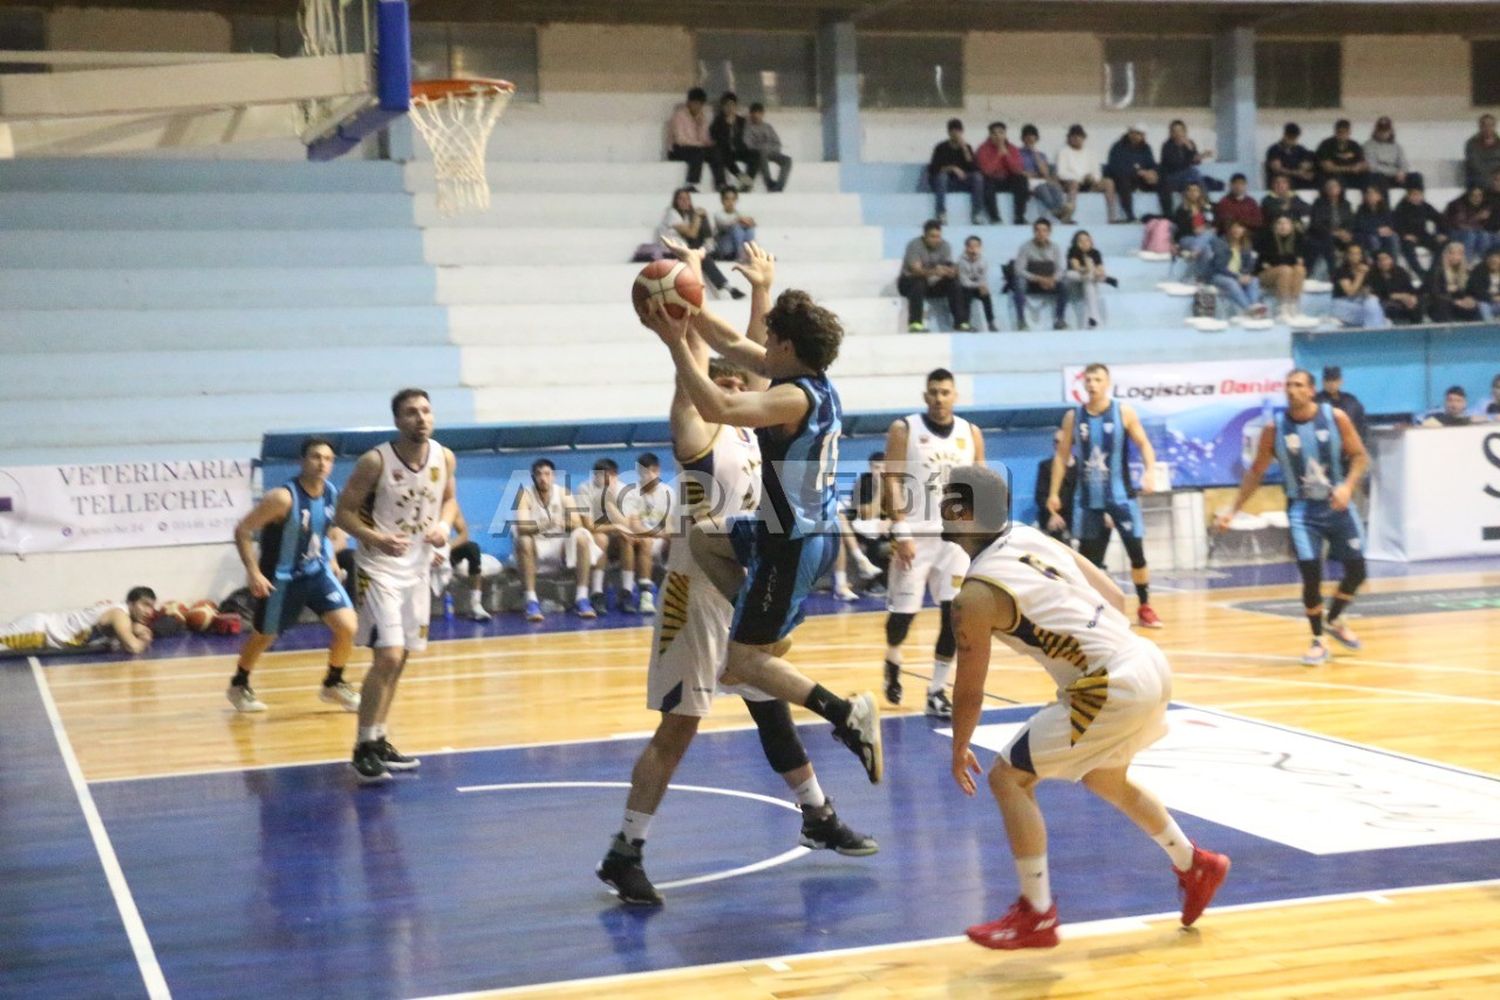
[
  {"x": 972, "y": 273},
  {"x": 1035, "y": 259},
  {"x": 762, "y": 138},
  {"x": 918, "y": 252},
  {"x": 1386, "y": 157}
]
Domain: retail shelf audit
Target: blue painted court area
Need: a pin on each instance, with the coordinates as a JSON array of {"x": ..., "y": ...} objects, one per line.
[{"x": 295, "y": 882}]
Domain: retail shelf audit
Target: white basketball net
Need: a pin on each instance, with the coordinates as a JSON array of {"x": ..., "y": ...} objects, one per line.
[{"x": 456, "y": 127}]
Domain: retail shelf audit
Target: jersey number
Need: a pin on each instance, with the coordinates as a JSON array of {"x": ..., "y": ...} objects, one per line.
[{"x": 828, "y": 460}]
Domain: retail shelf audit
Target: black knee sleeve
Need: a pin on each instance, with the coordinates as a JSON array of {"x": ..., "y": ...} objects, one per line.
[
  {"x": 946, "y": 644},
  {"x": 778, "y": 737},
  {"x": 1093, "y": 549},
  {"x": 896, "y": 627},
  {"x": 1312, "y": 583},
  {"x": 467, "y": 553},
  {"x": 1354, "y": 575},
  {"x": 1134, "y": 549}
]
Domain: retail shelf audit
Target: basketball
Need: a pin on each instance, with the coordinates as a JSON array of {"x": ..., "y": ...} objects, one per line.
[
  {"x": 173, "y": 609},
  {"x": 201, "y": 615},
  {"x": 672, "y": 284}
]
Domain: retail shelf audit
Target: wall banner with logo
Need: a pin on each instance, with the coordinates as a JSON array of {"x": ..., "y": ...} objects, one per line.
[
  {"x": 1437, "y": 493},
  {"x": 1203, "y": 417},
  {"x": 121, "y": 505}
]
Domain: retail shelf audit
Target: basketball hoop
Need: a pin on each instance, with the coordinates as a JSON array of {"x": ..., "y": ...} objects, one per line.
[{"x": 455, "y": 118}]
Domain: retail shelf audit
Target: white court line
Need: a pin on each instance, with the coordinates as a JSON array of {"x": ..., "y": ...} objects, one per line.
[
  {"x": 130, "y": 916},
  {"x": 1331, "y": 686},
  {"x": 1068, "y": 932},
  {"x": 1340, "y": 657}
]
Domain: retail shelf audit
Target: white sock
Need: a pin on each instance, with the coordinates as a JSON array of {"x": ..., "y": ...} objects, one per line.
[
  {"x": 1036, "y": 886},
  {"x": 580, "y": 592},
  {"x": 940, "y": 670},
  {"x": 636, "y": 826},
  {"x": 531, "y": 595},
  {"x": 1175, "y": 843},
  {"x": 840, "y": 579},
  {"x": 379, "y": 730},
  {"x": 627, "y": 580},
  {"x": 810, "y": 793},
  {"x": 598, "y": 580},
  {"x": 367, "y": 734},
  {"x": 893, "y": 655}
]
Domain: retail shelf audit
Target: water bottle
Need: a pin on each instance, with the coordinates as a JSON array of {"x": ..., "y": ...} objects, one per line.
[{"x": 448, "y": 605}]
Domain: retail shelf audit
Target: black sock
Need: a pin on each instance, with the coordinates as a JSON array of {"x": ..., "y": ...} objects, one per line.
[
  {"x": 1315, "y": 622},
  {"x": 334, "y": 676},
  {"x": 1336, "y": 607},
  {"x": 241, "y": 678},
  {"x": 830, "y": 706},
  {"x": 1143, "y": 593}
]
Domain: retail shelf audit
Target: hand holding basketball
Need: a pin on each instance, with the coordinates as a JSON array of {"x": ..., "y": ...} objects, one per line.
[
  {"x": 659, "y": 320},
  {"x": 668, "y": 285}
]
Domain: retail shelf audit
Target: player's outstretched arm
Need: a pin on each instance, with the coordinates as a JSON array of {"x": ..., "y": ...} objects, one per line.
[
  {"x": 759, "y": 270},
  {"x": 1137, "y": 433},
  {"x": 783, "y": 405},
  {"x": 1265, "y": 454},
  {"x": 976, "y": 610},
  {"x": 1060, "y": 464},
  {"x": 1356, "y": 461}
]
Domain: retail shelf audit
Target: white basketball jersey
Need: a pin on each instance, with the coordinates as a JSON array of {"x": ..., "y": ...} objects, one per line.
[
  {"x": 551, "y": 517},
  {"x": 596, "y": 496},
  {"x": 1062, "y": 622},
  {"x": 653, "y": 508},
  {"x": 55, "y": 629},
  {"x": 721, "y": 482},
  {"x": 406, "y": 501},
  {"x": 929, "y": 459}
]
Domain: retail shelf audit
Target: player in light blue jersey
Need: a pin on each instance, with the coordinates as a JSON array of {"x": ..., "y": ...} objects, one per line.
[
  {"x": 768, "y": 563},
  {"x": 1322, "y": 461}
]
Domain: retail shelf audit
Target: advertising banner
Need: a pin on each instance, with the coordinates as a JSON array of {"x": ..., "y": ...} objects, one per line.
[
  {"x": 1203, "y": 417},
  {"x": 1437, "y": 493},
  {"x": 121, "y": 505}
]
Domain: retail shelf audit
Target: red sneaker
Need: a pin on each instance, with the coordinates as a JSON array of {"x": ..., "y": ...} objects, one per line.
[
  {"x": 1145, "y": 617},
  {"x": 1021, "y": 927},
  {"x": 1199, "y": 883}
]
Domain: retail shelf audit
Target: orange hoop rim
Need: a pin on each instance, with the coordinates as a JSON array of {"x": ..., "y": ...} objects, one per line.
[{"x": 436, "y": 90}]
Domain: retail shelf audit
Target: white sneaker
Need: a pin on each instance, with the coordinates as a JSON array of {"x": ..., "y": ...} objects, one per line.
[
  {"x": 243, "y": 699},
  {"x": 477, "y": 612},
  {"x": 865, "y": 567},
  {"x": 648, "y": 602},
  {"x": 846, "y": 593},
  {"x": 861, "y": 734},
  {"x": 340, "y": 694}
]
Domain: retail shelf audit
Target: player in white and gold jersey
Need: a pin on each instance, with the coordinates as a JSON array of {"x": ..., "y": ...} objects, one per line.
[
  {"x": 399, "y": 505},
  {"x": 106, "y": 624},
  {"x": 920, "y": 451},
  {"x": 721, "y": 478},
  {"x": 1045, "y": 601}
]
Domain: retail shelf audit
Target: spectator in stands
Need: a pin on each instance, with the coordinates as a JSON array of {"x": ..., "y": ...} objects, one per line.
[
  {"x": 761, "y": 138},
  {"x": 728, "y": 133},
  {"x": 1084, "y": 276},
  {"x": 608, "y": 524},
  {"x": 1455, "y": 411},
  {"x": 1492, "y": 408},
  {"x": 1232, "y": 271},
  {"x": 928, "y": 272},
  {"x": 732, "y": 228},
  {"x": 1447, "y": 288},
  {"x": 1038, "y": 269},
  {"x": 688, "y": 140},
  {"x": 1418, "y": 225},
  {"x": 1395, "y": 290},
  {"x": 1044, "y": 186},
  {"x": 1375, "y": 223},
  {"x": 1290, "y": 159},
  {"x": 1055, "y": 524},
  {"x": 974, "y": 283},
  {"x": 1354, "y": 304},
  {"x": 1238, "y": 206},
  {"x": 686, "y": 223},
  {"x": 1482, "y": 153},
  {"x": 1193, "y": 230},
  {"x": 1132, "y": 168},
  {"x": 1282, "y": 200},
  {"x": 1341, "y": 158},
  {"x": 1283, "y": 266},
  {"x": 1467, "y": 219},
  {"x": 1333, "y": 393},
  {"x": 1492, "y": 202},
  {"x": 1330, "y": 227},
  {"x": 952, "y": 167},
  {"x": 1484, "y": 285},
  {"x": 1078, "y": 170},
  {"x": 999, "y": 160},
  {"x": 1388, "y": 165},
  {"x": 1179, "y": 164}
]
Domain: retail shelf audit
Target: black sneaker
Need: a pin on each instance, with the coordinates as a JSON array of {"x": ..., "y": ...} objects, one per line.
[
  {"x": 892, "y": 682},
  {"x": 628, "y": 879},
  {"x": 598, "y": 600},
  {"x": 938, "y": 706},
  {"x": 394, "y": 759},
  {"x": 828, "y": 833},
  {"x": 368, "y": 765},
  {"x": 861, "y": 734}
]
